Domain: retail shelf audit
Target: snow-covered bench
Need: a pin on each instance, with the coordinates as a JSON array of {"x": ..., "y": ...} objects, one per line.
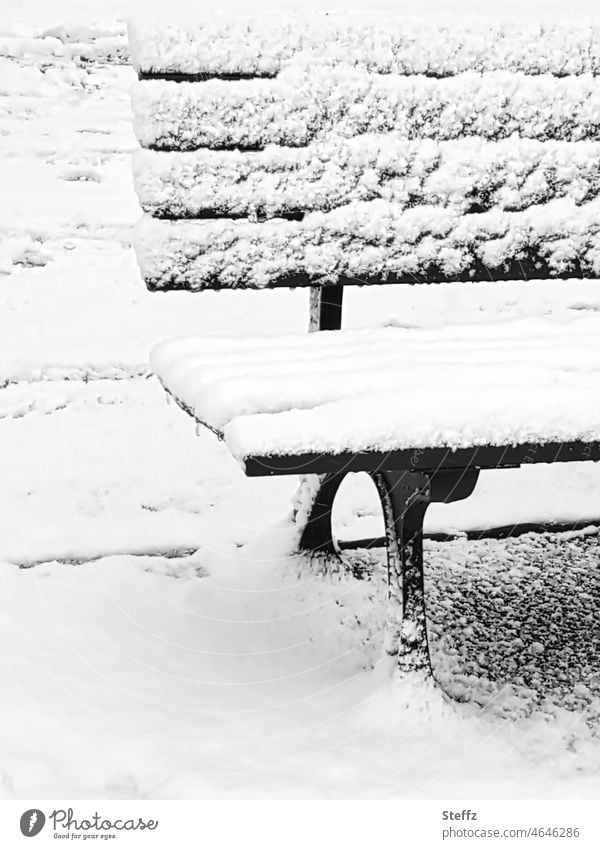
[{"x": 327, "y": 151}]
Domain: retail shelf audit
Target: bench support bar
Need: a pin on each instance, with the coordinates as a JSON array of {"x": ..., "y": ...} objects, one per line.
[{"x": 325, "y": 308}]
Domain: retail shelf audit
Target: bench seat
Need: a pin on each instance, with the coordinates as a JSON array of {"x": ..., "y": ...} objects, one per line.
[{"x": 519, "y": 383}]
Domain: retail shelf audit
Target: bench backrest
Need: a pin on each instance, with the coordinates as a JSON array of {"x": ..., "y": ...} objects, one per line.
[{"x": 284, "y": 150}]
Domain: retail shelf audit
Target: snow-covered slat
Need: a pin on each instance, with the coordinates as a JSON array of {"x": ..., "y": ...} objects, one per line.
[
  {"x": 369, "y": 242},
  {"x": 468, "y": 174},
  {"x": 301, "y": 106},
  {"x": 493, "y": 384},
  {"x": 264, "y": 45}
]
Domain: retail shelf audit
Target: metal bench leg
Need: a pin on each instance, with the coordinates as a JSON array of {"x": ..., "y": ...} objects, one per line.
[
  {"x": 317, "y": 535},
  {"x": 405, "y": 497}
]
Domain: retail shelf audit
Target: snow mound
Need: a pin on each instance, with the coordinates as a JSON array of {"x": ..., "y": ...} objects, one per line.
[{"x": 467, "y": 386}]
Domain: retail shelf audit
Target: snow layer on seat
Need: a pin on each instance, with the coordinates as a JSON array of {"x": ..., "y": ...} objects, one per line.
[
  {"x": 532, "y": 380},
  {"x": 264, "y": 45},
  {"x": 412, "y": 150},
  {"x": 370, "y": 240},
  {"x": 304, "y": 104},
  {"x": 465, "y": 174}
]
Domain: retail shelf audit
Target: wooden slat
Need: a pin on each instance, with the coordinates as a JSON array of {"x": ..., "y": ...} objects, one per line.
[
  {"x": 469, "y": 175},
  {"x": 422, "y": 460},
  {"x": 372, "y": 243},
  {"x": 297, "y": 108}
]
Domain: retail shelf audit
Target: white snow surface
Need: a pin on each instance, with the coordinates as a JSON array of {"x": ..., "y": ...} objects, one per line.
[
  {"x": 455, "y": 387},
  {"x": 133, "y": 668}
]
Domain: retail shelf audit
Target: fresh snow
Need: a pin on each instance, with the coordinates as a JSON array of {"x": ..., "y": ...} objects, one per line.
[
  {"x": 236, "y": 671},
  {"x": 266, "y": 45}
]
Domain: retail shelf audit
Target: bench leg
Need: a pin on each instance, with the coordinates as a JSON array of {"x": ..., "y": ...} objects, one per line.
[{"x": 405, "y": 497}]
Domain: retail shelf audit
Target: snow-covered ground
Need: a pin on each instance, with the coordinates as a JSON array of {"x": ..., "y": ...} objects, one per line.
[{"x": 166, "y": 643}]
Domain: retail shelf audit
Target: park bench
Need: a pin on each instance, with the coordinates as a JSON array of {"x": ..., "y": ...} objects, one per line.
[{"x": 327, "y": 151}]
